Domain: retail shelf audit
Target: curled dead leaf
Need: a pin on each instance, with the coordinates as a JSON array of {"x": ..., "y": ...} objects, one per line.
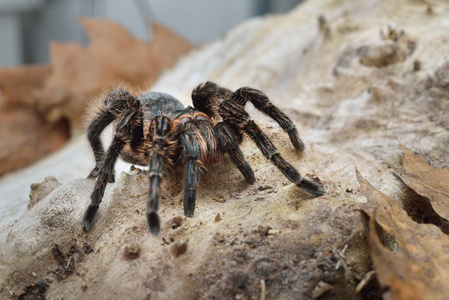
[
  {"x": 419, "y": 268},
  {"x": 427, "y": 181}
]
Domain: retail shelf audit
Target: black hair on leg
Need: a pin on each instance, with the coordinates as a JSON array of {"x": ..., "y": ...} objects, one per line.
[
  {"x": 191, "y": 172},
  {"x": 234, "y": 113},
  {"x": 93, "y": 134},
  {"x": 262, "y": 103},
  {"x": 106, "y": 168},
  {"x": 229, "y": 145},
  {"x": 160, "y": 149},
  {"x": 114, "y": 103}
]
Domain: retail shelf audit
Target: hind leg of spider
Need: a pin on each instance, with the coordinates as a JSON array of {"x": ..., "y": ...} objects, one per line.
[
  {"x": 209, "y": 95},
  {"x": 109, "y": 110},
  {"x": 235, "y": 114},
  {"x": 262, "y": 103},
  {"x": 160, "y": 147},
  {"x": 124, "y": 135}
]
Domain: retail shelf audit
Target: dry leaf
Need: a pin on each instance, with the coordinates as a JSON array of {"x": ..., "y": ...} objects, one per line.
[
  {"x": 427, "y": 181},
  {"x": 17, "y": 85},
  {"x": 419, "y": 269},
  {"x": 25, "y": 138},
  {"x": 113, "y": 57},
  {"x": 167, "y": 46},
  {"x": 39, "y": 102}
]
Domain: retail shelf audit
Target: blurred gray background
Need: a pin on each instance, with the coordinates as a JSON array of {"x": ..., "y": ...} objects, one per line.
[{"x": 27, "y": 26}]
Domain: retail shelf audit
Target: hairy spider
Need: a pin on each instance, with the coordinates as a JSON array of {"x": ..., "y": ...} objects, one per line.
[{"x": 155, "y": 130}]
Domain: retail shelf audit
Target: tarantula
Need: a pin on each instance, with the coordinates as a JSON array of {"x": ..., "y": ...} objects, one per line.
[{"x": 155, "y": 130}]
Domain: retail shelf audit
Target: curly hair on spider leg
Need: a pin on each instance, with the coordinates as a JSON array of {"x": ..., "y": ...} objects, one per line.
[{"x": 155, "y": 130}]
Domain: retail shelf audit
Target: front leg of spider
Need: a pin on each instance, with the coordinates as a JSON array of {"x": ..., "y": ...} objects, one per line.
[
  {"x": 191, "y": 155},
  {"x": 106, "y": 169},
  {"x": 112, "y": 106},
  {"x": 160, "y": 147}
]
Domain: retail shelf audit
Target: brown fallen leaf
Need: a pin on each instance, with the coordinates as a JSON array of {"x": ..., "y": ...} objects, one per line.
[
  {"x": 42, "y": 105},
  {"x": 25, "y": 138},
  {"x": 419, "y": 269},
  {"x": 167, "y": 46},
  {"x": 427, "y": 181},
  {"x": 112, "y": 58},
  {"x": 17, "y": 85}
]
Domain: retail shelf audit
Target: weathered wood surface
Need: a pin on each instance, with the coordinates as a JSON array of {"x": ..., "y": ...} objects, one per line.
[{"x": 355, "y": 94}]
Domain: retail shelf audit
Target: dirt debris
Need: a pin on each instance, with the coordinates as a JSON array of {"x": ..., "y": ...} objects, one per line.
[
  {"x": 67, "y": 262},
  {"x": 35, "y": 291},
  {"x": 132, "y": 251},
  {"x": 179, "y": 248}
]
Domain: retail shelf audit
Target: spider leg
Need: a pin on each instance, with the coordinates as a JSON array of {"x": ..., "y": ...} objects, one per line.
[
  {"x": 124, "y": 135},
  {"x": 161, "y": 147},
  {"x": 228, "y": 143},
  {"x": 207, "y": 97},
  {"x": 113, "y": 104},
  {"x": 262, "y": 103},
  {"x": 235, "y": 114},
  {"x": 93, "y": 134},
  {"x": 191, "y": 171}
]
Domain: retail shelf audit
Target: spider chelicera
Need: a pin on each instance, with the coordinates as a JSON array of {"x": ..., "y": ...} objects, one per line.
[{"x": 155, "y": 130}]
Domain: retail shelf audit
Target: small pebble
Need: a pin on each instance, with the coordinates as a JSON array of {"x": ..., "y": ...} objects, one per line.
[
  {"x": 263, "y": 229},
  {"x": 179, "y": 248},
  {"x": 220, "y": 199},
  {"x": 265, "y": 187},
  {"x": 132, "y": 251},
  {"x": 320, "y": 289},
  {"x": 176, "y": 222},
  {"x": 416, "y": 65},
  {"x": 273, "y": 232}
]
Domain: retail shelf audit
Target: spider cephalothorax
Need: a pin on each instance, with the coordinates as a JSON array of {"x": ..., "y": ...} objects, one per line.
[{"x": 155, "y": 130}]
